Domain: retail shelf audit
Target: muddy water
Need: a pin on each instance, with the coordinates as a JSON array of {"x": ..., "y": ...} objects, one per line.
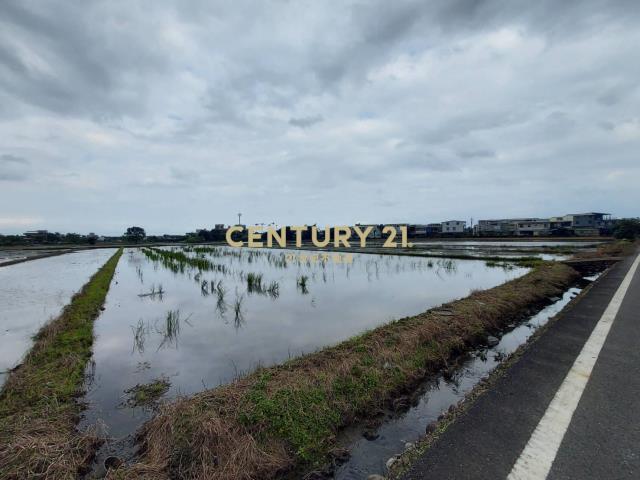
[
  {"x": 209, "y": 344},
  {"x": 33, "y": 292},
  {"x": 370, "y": 456}
]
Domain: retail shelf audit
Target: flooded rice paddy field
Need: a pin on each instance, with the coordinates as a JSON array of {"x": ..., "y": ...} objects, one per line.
[
  {"x": 545, "y": 250},
  {"x": 31, "y": 293},
  {"x": 198, "y": 317},
  {"x": 11, "y": 255}
]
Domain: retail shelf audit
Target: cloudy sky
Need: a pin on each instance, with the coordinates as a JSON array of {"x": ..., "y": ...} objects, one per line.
[{"x": 178, "y": 115}]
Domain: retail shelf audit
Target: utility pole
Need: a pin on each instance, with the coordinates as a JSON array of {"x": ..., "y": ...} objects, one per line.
[{"x": 239, "y": 217}]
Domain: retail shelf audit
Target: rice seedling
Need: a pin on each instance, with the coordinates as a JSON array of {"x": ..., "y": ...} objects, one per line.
[
  {"x": 140, "y": 332},
  {"x": 301, "y": 283},
  {"x": 171, "y": 329},
  {"x": 177, "y": 261},
  {"x": 273, "y": 290},
  {"x": 221, "y": 305},
  {"x": 237, "y": 310},
  {"x": 140, "y": 274},
  {"x": 447, "y": 265},
  {"x": 204, "y": 288},
  {"x": 254, "y": 283},
  {"x": 153, "y": 292}
]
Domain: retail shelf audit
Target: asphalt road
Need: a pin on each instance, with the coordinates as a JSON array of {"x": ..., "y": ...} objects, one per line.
[{"x": 603, "y": 437}]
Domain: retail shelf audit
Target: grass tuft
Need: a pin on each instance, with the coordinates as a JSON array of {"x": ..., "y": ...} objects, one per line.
[{"x": 147, "y": 395}]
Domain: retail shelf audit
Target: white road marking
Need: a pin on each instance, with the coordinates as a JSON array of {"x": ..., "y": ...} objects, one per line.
[{"x": 538, "y": 455}]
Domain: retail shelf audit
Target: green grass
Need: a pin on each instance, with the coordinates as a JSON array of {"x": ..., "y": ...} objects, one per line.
[
  {"x": 38, "y": 404},
  {"x": 147, "y": 394}
]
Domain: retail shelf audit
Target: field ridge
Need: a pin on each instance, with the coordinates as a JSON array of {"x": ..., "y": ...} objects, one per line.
[{"x": 39, "y": 409}]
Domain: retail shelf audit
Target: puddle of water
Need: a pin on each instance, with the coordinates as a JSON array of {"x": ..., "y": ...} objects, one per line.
[
  {"x": 32, "y": 293},
  {"x": 370, "y": 456},
  {"x": 208, "y": 345}
]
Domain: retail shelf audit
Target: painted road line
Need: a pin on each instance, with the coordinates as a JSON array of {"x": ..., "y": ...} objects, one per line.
[{"x": 538, "y": 455}]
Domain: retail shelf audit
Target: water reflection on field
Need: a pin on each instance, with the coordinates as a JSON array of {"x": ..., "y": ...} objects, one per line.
[
  {"x": 544, "y": 249},
  {"x": 199, "y": 316},
  {"x": 33, "y": 292}
]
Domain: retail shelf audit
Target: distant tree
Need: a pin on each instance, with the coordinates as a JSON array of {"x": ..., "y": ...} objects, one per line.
[
  {"x": 92, "y": 238},
  {"x": 135, "y": 234},
  {"x": 627, "y": 228},
  {"x": 73, "y": 238},
  {"x": 53, "y": 237},
  {"x": 12, "y": 240}
]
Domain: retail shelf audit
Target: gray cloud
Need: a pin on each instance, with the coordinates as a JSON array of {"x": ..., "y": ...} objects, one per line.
[
  {"x": 481, "y": 152},
  {"x": 7, "y": 159},
  {"x": 182, "y": 113},
  {"x": 305, "y": 122},
  {"x": 13, "y": 168}
]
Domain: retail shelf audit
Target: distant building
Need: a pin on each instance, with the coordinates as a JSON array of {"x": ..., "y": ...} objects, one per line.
[
  {"x": 419, "y": 230},
  {"x": 434, "y": 229},
  {"x": 375, "y": 230},
  {"x": 453, "y": 226},
  {"x": 583, "y": 224},
  {"x": 37, "y": 235},
  {"x": 592, "y": 223},
  {"x": 532, "y": 227},
  {"x": 498, "y": 227}
]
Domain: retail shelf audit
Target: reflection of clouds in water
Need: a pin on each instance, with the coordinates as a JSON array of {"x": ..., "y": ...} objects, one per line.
[{"x": 34, "y": 292}]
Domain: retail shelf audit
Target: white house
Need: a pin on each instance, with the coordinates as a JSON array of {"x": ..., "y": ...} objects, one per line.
[
  {"x": 533, "y": 227},
  {"x": 453, "y": 226}
]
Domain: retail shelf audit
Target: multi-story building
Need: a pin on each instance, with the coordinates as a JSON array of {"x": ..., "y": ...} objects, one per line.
[
  {"x": 583, "y": 224},
  {"x": 37, "y": 235},
  {"x": 498, "y": 227},
  {"x": 434, "y": 229},
  {"x": 532, "y": 227},
  {"x": 453, "y": 226},
  {"x": 578, "y": 224},
  {"x": 524, "y": 227}
]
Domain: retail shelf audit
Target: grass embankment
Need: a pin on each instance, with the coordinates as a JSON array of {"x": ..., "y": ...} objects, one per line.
[
  {"x": 38, "y": 406},
  {"x": 618, "y": 248},
  {"x": 284, "y": 419}
]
